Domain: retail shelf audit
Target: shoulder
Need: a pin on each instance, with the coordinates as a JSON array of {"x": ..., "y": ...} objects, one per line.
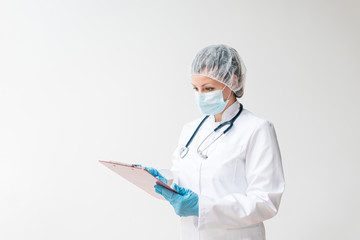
[
  {"x": 253, "y": 119},
  {"x": 250, "y": 122}
]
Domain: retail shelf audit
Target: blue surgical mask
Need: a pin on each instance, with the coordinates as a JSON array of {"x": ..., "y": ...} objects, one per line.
[{"x": 211, "y": 103}]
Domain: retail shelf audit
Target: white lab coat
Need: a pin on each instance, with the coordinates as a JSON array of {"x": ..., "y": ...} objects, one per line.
[{"x": 239, "y": 185}]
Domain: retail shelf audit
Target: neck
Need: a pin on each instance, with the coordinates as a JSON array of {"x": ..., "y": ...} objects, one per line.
[{"x": 218, "y": 116}]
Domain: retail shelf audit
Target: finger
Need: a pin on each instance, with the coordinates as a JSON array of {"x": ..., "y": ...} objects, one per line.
[
  {"x": 167, "y": 194},
  {"x": 179, "y": 189},
  {"x": 158, "y": 191},
  {"x": 156, "y": 174},
  {"x": 161, "y": 178},
  {"x": 153, "y": 171}
]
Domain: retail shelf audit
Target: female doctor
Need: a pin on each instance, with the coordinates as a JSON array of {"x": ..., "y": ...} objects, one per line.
[{"x": 227, "y": 167}]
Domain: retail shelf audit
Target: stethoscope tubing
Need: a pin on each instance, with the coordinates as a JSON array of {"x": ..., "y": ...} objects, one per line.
[
  {"x": 184, "y": 150},
  {"x": 195, "y": 132}
]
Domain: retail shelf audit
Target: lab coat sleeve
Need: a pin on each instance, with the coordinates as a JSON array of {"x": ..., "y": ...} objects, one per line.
[
  {"x": 173, "y": 174},
  {"x": 266, "y": 184}
]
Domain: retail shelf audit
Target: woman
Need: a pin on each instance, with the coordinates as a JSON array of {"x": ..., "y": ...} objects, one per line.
[{"x": 229, "y": 183}]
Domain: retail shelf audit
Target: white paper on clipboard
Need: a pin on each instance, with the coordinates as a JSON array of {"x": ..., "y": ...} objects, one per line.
[{"x": 138, "y": 176}]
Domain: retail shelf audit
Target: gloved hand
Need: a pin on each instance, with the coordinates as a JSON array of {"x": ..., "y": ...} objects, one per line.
[
  {"x": 186, "y": 203},
  {"x": 154, "y": 172}
]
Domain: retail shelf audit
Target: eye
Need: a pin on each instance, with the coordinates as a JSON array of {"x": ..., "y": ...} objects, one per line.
[
  {"x": 209, "y": 89},
  {"x": 195, "y": 88}
]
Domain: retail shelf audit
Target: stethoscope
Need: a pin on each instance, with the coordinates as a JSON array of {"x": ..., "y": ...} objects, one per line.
[{"x": 184, "y": 150}]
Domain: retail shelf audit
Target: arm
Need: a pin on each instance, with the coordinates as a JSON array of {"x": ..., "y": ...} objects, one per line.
[
  {"x": 172, "y": 174},
  {"x": 265, "y": 179}
]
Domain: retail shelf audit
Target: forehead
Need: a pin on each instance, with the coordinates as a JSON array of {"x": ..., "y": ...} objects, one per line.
[{"x": 199, "y": 80}]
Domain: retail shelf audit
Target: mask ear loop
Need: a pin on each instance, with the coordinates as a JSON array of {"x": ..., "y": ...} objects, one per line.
[{"x": 229, "y": 93}]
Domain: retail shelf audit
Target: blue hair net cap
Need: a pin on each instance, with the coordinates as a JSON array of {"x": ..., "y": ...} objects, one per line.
[{"x": 223, "y": 64}]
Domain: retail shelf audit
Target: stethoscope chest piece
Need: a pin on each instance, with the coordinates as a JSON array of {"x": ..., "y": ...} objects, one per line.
[{"x": 183, "y": 151}]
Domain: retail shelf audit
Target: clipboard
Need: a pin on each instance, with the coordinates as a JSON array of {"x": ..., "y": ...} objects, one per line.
[{"x": 138, "y": 176}]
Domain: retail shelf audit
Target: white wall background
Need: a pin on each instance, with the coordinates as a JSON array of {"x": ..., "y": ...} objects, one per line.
[{"x": 87, "y": 80}]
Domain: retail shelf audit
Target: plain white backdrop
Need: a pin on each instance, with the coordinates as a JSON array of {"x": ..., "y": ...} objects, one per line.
[{"x": 87, "y": 80}]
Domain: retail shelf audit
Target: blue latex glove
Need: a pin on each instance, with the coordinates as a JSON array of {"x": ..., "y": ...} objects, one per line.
[
  {"x": 186, "y": 203},
  {"x": 154, "y": 172}
]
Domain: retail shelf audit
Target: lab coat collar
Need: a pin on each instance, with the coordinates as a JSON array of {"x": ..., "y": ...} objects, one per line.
[{"x": 227, "y": 115}]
